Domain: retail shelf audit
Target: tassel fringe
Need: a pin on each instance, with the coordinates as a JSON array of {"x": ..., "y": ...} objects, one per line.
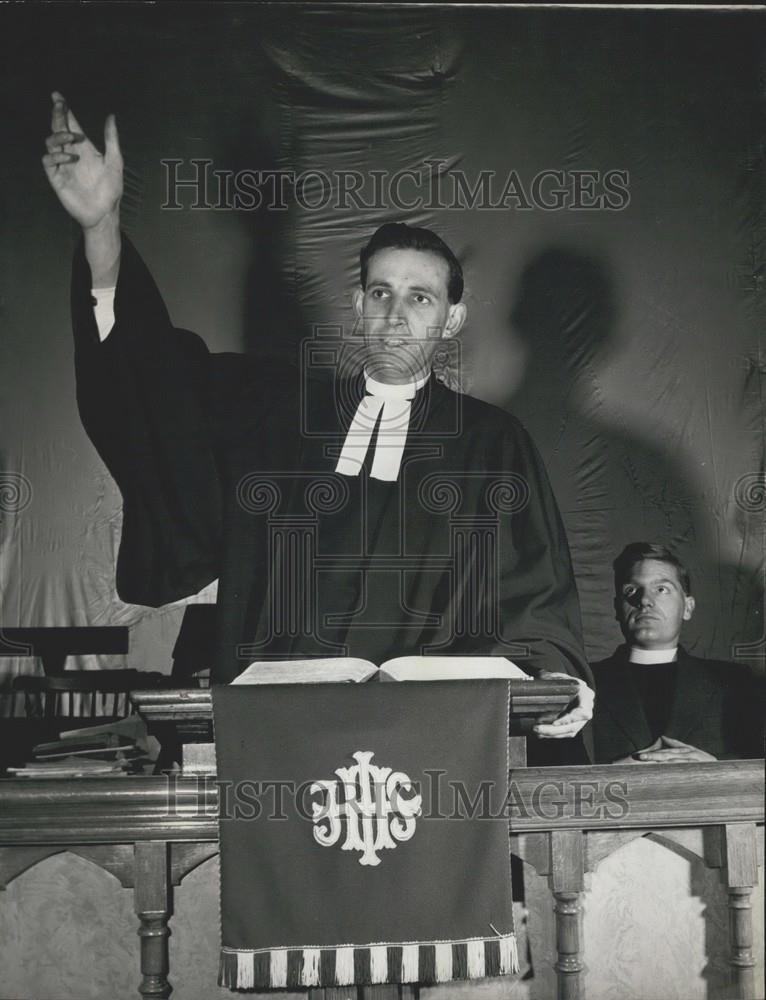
[
  {"x": 509, "y": 956},
  {"x": 475, "y": 959},
  {"x": 311, "y": 973},
  {"x": 410, "y": 963},
  {"x": 344, "y": 966},
  {"x": 443, "y": 963},
  {"x": 278, "y": 969},
  {"x": 379, "y": 964},
  {"x": 245, "y": 971},
  {"x": 439, "y": 962}
]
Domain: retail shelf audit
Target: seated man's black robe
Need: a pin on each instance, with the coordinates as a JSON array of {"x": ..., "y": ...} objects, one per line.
[
  {"x": 226, "y": 468},
  {"x": 709, "y": 704}
]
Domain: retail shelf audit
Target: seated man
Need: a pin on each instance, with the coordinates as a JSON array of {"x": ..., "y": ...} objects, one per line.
[{"x": 655, "y": 703}]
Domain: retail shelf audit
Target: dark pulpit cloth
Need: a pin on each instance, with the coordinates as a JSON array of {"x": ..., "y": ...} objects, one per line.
[{"x": 363, "y": 834}]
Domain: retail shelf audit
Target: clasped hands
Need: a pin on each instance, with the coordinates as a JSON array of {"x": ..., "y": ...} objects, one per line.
[{"x": 666, "y": 750}]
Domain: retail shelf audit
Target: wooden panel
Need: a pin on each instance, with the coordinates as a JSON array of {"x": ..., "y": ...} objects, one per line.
[
  {"x": 600, "y": 844},
  {"x": 533, "y": 849},
  {"x": 517, "y": 751},
  {"x": 741, "y": 855},
  {"x": 107, "y": 810},
  {"x": 186, "y": 857},
  {"x": 634, "y": 796},
  {"x": 16, "y": 860},
  {"x": 560, "y": 809},
  {"x": 608, "y": 797},
  {"x": 117, "y": 859}
]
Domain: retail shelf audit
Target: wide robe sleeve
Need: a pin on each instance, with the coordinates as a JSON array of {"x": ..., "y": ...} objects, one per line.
[
  {"x": 538, "y": 606},
  {"x": 144, "y": 396}
]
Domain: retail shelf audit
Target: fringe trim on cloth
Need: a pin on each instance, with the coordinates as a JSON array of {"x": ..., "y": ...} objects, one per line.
[{"x": 437, "y": 962}]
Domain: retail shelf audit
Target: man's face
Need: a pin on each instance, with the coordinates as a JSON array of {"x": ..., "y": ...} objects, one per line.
[
  {"x": 405, "y": 312},
  {"x": 651, "y": 605}
]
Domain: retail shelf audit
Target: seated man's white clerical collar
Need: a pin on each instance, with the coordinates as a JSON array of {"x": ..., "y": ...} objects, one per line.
[
  {"x": 392, "y": 404},
  {"x": 653, "y": 655}
]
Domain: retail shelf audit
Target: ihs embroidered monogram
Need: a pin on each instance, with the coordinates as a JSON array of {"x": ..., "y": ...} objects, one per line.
[{"x": 379, "y": 807}]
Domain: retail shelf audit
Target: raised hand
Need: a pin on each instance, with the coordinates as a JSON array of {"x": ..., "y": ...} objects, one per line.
[{"x": 88, "y": 184}]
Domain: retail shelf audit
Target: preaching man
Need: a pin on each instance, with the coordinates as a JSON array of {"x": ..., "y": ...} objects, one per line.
[{"x": 376, "y": 515}]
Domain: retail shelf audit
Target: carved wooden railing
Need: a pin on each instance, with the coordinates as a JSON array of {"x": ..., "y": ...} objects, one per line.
[{"x": 149, "y": 832}]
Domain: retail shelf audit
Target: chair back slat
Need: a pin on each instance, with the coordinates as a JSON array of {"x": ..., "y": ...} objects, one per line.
[{"x": 83, "y": 693}]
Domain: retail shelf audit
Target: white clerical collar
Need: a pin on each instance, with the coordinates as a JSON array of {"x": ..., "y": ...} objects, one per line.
[
  {"x": 392, "y": 404},
  {"x": 652, "y": 655},
  {"x": 387, "y": 390}
]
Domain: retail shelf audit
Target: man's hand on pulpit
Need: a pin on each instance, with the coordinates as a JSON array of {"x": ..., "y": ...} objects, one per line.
[{"x": 574, "y": 718}]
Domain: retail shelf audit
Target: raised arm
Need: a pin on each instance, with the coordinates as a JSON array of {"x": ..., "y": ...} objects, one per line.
[{"x": 144, "y": 392}]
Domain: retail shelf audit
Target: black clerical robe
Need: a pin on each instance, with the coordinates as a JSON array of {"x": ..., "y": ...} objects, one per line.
[
  {"x": 711, "y": 704},
  {"x": 226, "y": 467}
]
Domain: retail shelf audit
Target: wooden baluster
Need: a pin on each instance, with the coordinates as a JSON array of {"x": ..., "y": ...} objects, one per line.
[
  {"x": 741, "y": 876},
  {"x": 567, "y": 883},
  {"x": 152, "y": 903}
]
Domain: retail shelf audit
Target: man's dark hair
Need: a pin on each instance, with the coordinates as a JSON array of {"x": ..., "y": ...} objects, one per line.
[
  {"x": 400, "y": 236},
  {"x": 638, "y": 551}
]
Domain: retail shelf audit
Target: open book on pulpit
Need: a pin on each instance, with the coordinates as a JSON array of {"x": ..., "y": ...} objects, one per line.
[
  {"x": 340, "y": 669},
  {"x": 185, "y": 715}
]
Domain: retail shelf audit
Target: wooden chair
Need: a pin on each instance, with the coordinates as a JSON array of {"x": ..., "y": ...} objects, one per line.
[{"x": 84, "y": 693}]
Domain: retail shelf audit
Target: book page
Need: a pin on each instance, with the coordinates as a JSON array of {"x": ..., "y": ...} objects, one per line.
[
  {"x": 449, "y": 668},
  {"x": 334, "y": 669}
]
